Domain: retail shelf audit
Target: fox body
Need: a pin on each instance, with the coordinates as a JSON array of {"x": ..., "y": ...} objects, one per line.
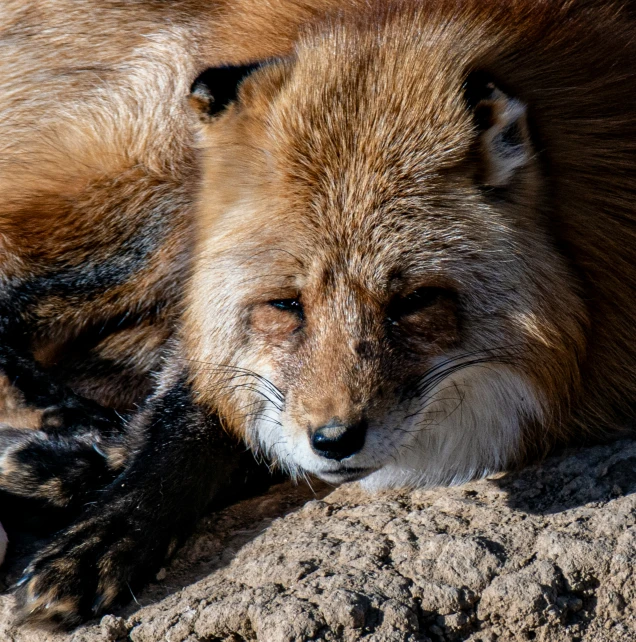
[{"x": 383, "y": 242}]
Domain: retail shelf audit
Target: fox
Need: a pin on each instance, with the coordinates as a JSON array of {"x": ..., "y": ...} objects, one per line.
[{"x": 391, "y": 243}]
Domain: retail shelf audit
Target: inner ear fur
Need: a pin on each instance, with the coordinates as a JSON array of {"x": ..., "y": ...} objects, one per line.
[
  {"x": 215, "y": 88},
  {"x": 505, "y": 142}
]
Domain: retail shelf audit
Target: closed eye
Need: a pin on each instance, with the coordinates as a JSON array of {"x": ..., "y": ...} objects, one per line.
[
  {"x": 289, "y": 305},
  {"x": 416, "y": 301}
]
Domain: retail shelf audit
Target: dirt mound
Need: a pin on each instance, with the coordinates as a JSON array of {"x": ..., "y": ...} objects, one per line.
[{"x": 547, "y": 554}]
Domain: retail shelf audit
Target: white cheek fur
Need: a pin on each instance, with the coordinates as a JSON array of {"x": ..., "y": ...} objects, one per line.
[
  {"x": 470, "y": 426},
  {"x": 265, "y": 432}
]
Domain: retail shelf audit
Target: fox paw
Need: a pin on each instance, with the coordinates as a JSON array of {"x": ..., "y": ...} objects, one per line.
[
  {"x": 80, "y": 415},
  {"x": 60, "y": 471},
  {"x": 91, "y": 567}
]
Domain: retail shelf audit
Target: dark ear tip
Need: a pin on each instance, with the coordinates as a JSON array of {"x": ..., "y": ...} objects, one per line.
[
  {"x": 215, "y": 88},
  {"x": 478, "y": 86},
  {"x": 203, "y": 82}
]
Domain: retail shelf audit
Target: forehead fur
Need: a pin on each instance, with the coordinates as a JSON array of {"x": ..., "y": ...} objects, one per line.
[
  {"x": 374, "y": 127},
  {"x": 363, "y": 130},
  {"x": 363, "y": 134}
]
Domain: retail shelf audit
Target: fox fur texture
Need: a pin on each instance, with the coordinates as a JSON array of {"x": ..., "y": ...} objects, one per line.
[{"x": 392, "y": 242}]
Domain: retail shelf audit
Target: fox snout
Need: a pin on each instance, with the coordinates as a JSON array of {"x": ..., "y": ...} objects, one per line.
[{"x": 338, "y": 440}]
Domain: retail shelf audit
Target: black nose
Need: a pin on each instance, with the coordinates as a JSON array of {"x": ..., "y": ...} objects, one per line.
[{"x": 337, "y": 440}]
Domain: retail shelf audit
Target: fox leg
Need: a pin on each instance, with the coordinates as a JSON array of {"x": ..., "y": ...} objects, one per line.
[
  {"x": 73, "y": 448},
  {"x": 182, "y": 460},
  {"x": 59, "y": 471},
  {"x": 63, "y": 410}
]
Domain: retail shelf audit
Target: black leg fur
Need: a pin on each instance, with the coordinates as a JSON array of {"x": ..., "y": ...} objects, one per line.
[
  {"x": 61, "y": 472},
  {"x": 20, "y": 323},
  {"x": 64, "y": 411},
  {"x": 182, "y": 460}
]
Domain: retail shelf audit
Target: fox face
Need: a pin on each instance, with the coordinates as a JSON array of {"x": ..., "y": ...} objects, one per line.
[{"x": 376, "y": 293}]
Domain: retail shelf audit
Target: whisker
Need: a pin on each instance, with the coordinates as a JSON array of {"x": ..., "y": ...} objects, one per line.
[
  {"x": 238, "y": 371},
  {"x": 427, "y": 389}
]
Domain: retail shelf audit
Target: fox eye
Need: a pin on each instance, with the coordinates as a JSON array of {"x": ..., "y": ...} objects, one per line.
[
  {"x": 416, "y": 301},
  {"x": 289, "y": 305}
]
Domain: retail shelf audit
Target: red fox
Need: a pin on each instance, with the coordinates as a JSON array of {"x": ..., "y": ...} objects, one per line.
[{"x": 389, "y": 242}]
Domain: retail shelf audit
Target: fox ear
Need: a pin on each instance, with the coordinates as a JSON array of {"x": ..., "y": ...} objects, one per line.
[
  {"x": 215, "y": 88},
  {"x": 504, "y": 136}
]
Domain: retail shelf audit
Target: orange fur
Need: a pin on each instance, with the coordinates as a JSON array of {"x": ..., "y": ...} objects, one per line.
[{"x": 347, "y": 173}]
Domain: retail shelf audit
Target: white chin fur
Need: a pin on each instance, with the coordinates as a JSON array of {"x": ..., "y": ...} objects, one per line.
[
  {"x": 453, "y": 441},
  {"x": 470, "y": 427}
]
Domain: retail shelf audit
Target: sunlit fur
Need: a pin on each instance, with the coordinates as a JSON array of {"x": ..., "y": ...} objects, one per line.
[{"x": 352, "y": 171}]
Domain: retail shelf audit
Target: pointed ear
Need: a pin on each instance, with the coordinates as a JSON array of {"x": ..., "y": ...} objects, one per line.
[
  {"x": 216, "y": 88},
  {"x": 504, "y": 137}
]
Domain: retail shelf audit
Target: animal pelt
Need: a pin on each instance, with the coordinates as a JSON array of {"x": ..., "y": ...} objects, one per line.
[{"x": 383, "y": 241}]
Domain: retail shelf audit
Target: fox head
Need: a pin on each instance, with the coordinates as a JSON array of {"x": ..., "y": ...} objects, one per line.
[{"x": 376, "y": 292}]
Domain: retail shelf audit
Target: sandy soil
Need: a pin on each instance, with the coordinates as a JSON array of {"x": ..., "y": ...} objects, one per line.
[{"x": 547, "y": 554}]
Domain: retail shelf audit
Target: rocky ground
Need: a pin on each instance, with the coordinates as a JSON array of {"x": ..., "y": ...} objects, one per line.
[{"x": 547, "y": 554}]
